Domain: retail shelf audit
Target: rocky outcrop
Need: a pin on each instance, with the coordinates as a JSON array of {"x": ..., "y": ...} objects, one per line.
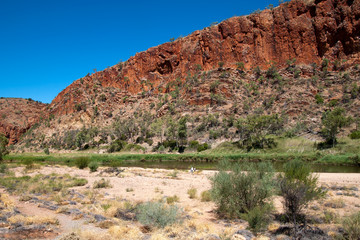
[
  {"x": 18, "y": 115},
  {"x": 305, "y": 30}
]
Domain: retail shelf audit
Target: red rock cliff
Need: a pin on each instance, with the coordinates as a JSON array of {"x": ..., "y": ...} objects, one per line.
[
  {"x": 18, "y": 115},
  {"x": 305, "y": 30}
]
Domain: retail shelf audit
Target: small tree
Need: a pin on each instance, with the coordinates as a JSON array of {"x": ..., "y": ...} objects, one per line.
[
  {"x": 298, "y": 186},
  {"x": 182, "y": 131},
  {"x": 47, "y": 151},
  {"x": 254, "y": 130},
  {"x": 3, "y": 143},
  {"x": 332, "y": 122}
]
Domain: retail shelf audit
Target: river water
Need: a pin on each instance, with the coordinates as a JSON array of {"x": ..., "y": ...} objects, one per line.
[{"x": 213, "y": 166}]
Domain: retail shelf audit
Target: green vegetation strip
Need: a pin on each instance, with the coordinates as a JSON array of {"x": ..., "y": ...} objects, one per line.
[{"x": 119, "y": 159}]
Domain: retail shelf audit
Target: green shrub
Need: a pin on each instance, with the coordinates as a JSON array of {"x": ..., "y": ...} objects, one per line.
[
  {"x": 157, "y": 214},
  {"x": 333, "y": 102},
  {"x": 102, "y": 183},
  {"x": 46, "y": 151},
  {"x": 192, "y": 192},
  {"x": 3, "y": 143},
  {"x": 351, "y": 226},
  {"x": 193, "y": 144},
  {"x": 355, "y": 134},
  {"x": 259, "y": 218},
  {"x": 77, "y": 182},
  {"x": 203, "y": 147},
  {"x": 236, "y": 192},
  {"x": 93, "y": 166},
  {"x": 3, "y": 168},
  {"x": 298, "y": 186},
  {"x": 116, "y": 146},
  {"x": 205, "y": 196},
  {"x": 29, "y": 164},
  {"x": 332, "y": 122},
  {"x": 82, "y": 162},
  {"x": 355, "y": 159},
  {"x": 319, "y": 99}
]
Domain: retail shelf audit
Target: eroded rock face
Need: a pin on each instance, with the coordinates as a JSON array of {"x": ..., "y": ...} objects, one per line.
[
  {"x": 18, "y": 115},
  {"x": 305, "y": 30}
]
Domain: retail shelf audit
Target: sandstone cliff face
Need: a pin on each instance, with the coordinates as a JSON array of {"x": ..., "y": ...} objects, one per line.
[
  {"x": 307, "y": 31},
  {"x": 18, "y": 115}
]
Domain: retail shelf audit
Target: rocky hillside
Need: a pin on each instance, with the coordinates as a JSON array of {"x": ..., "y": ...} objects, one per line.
[
  {"x": 17, "y": 115},
  {"x": 298, "y": 60},
  {"x": 305, "y": 30}
]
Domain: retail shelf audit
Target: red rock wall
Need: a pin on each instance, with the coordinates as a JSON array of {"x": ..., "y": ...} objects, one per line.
[{"x": 305, "y": 31}]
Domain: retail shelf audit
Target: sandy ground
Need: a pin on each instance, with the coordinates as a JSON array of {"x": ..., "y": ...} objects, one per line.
[{"x": 140, "y": 185}]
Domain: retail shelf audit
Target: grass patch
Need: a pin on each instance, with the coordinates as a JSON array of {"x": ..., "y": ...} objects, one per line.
[
  {"x": 192, "y": 193},
  {"x": 102, "y": 183},
  {"x": 172, "y": 199},
  {"x": 351, "y": 226},
  {"x": 206, "y": 196},
  {"x": 41, "y": 184}
]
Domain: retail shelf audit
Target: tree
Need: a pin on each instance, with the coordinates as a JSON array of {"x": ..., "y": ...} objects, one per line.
[
  {"x": 3, "y": 143},
  {"x": 182, "y": 130},
  {"x": 254, "y": 130},
  {"x": 332, "y": 122},
  {"x": 158, "y": 128},
  {"x": 298, "y": 186}
]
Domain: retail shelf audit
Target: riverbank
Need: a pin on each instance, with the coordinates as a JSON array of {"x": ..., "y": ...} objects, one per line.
[{"x": 106, "y": 212}]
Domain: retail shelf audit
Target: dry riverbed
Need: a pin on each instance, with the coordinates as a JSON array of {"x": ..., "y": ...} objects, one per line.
[{"x": 74, "y": 209}]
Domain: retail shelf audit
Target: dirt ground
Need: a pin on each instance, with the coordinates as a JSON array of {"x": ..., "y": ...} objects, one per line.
[{"x": 140, "y": 185}]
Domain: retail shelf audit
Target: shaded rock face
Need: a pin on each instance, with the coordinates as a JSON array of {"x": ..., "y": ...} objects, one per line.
[
  {"x": 18, "y": 115},
  {"x": 305, "y": 30}
]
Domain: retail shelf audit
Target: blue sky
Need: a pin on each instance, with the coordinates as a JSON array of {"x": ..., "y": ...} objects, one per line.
[{"x": 47, "y": 44}]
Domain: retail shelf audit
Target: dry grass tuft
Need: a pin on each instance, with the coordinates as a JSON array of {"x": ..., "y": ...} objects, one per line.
[
  {"x": 335, "y": 203},
  {"x": 29, "y": 220},
  {"x": 125, "y": 232}
]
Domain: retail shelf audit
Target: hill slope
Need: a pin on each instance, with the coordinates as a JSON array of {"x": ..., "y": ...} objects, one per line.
[
  {"x": 244, "y": 65},
  {"x": 17, "y": 115}
]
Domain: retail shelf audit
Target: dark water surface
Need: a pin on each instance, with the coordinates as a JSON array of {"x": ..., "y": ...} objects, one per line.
[{"x": 213, "y": 166}]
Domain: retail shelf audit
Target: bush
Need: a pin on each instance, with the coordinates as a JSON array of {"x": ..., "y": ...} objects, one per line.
[
  {"x": 102, "y": 183},
  {"x": 298, "y": 186},
  {"x": 116, "y": 146},
  {"x": 236, "y": 192},
  {"x": 93, "y": 166},
  {"x": 206, "y": 196},
  {"x": 157, "y": 214},
  {"x": 351, "y": 226},
  {"x": 3, "y": 168},
  {"x": 171, "y": 200},
  {"x": 82, "y": 162},
  {"x": 203, "y": 147},
  {"x": 29, "y": 164},
  {"x": 192, "y": 193},
  {"x": 319, "y": 99},
  {"x": 46, "y": 151},
  {"x": 332, "y": 122},
  {"x": 355, "y": 134},
  {"x": 3, "y": 143},
  {"x": 259, "y": 218}
]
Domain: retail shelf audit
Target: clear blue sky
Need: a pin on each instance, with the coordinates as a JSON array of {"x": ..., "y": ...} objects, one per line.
[{"x": 47, "y": 44}]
